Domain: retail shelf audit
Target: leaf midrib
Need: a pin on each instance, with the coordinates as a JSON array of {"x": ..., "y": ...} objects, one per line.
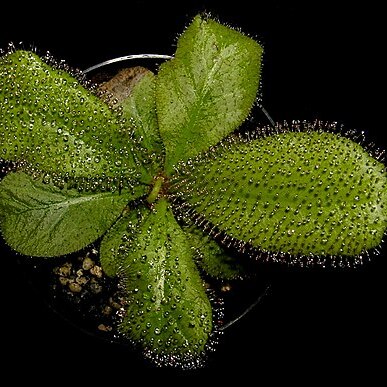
[
  {"x": 202, "y": 92},
  {"x": 56, "y": 206}
]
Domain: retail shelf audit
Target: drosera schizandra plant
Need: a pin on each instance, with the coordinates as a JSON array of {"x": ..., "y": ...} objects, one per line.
[{"x": 156, "y": 175}]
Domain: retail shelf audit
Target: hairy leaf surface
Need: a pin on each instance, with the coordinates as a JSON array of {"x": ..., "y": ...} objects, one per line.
[
  {"x": 212, "y": 258},
  {"x": 168, "y": 311},
  {"x": 302, "y": 193},
  {"x": 49, "y": 121},
  {"x": 207, "y": 90},
  {"x": 42, "y": 220},
  {"x": 115, "y": 243},
  {"x": 134, "y": 90}
]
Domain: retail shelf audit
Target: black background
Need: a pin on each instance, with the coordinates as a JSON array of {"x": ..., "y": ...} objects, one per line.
[{"x": 321, "y": 61}]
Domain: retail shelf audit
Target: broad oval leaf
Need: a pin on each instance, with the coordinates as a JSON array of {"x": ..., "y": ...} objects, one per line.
[
  {"x": 305, "y": 193},
  {"x": 168, "y": 311},
  {"x": 40, "y": 219},
  {"x": 50, "y": 121},
  {"x": 207, "y": 90}
]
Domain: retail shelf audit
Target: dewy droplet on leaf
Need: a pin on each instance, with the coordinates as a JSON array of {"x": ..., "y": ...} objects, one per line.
[
  {"x": 304, "y": 192},
  {"x": 51, "y": 123},
  {"x": 168, "y": 311}
]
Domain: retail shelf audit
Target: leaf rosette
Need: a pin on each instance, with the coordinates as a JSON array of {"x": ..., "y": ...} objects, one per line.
[{"x": 164, "y": 185}]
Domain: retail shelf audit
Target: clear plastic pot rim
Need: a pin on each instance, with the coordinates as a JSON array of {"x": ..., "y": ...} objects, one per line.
[
  {"x": 125, "y": 58},
  {"x": 154, "y": 56}
]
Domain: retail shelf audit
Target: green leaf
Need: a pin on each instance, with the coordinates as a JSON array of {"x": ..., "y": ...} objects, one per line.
[
  {"x": 42, "y": 220},
  {"x": 115, "y": 243},
  {"x": 134, "y": 90},
  {"x": 140, "y": 107},
  {"x": 207, "y": 90},
  {"x": 212, "y": 258},
  {"x": 53, "y": 124},
  {"x": 168, "y": 311},
  {"x": 304, "y": 193}
]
